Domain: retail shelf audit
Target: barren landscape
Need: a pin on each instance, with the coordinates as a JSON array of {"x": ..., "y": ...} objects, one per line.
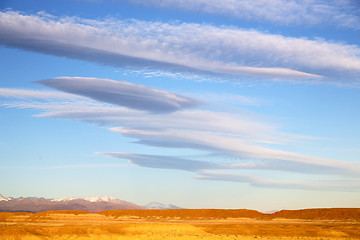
[
  {"x": 182, "y": 224},
  {"x": 180, "y": 119}
]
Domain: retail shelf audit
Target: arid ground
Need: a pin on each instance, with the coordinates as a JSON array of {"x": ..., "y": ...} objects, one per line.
[{"x": 182, "y": 224}]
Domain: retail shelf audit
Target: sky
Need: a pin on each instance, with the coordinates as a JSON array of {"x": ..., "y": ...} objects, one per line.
[{"x": 239, "y": 104}]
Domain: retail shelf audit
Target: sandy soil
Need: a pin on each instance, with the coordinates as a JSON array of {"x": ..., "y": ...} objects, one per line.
[{"x": 83, "y": 225}]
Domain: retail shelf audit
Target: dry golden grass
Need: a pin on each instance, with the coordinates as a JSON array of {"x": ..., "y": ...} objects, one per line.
[{"x": 166, "y": 224}]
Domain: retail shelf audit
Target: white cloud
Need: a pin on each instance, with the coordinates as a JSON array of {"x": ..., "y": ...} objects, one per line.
[
  {"x": 148, "y": 73},
  {"x": 344, "y": 13},
  {"x": 186, "y": 47},
  {"x": 233, "y": 99}
]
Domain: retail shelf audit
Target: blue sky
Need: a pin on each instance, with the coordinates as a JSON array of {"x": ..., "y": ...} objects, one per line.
[{"x": 243, "y": 104}]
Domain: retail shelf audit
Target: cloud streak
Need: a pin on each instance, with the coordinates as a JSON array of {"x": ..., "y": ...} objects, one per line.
[
  {"x": 240, "y": 137},
  {"x": 342, "y": 13},
  {"x": 88, "y": 110},
  {"x": 26, "y": 94},
  {"x": 186, "y": 47},
  {"x": 241, "y": 148},
  {"x": 134, "y": 96},
  {"x": 163, "y": 162},
  {"x": 333, "y": 185},
  {"x": 191, "y": 165},
  {"x": 209, "y": 171}
]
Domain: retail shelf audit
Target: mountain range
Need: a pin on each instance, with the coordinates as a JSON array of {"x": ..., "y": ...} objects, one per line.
[
  {"x": 90, "y": 204},
  {"x": 157, "y": 205}
]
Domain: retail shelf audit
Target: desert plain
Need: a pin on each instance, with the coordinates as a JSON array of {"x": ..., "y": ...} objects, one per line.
[{"x": 211, "y": 224}]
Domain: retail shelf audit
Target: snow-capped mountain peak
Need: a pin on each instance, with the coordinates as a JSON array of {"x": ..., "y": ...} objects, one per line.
[
  {"x": 91, "y": 199},
  {"x": 102, "y": 199},
  {"x": 2, "y": 198},
  {"x": 107, "y": 200},
  {"x": 92, "y": 204},
  {"x": 157, "y": 205},
  {"x": 64, "y": 199}
]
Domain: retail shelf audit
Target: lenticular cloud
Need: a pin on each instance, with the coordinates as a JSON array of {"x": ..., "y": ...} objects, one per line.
[
  {"x": 120, "y": 93},
  {"x": 184, "y": 48}
]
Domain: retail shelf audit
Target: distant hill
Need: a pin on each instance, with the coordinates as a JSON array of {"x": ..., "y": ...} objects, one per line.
[
  {"x": 320, "y": 213},
  {"x": 94, "y": 204}
]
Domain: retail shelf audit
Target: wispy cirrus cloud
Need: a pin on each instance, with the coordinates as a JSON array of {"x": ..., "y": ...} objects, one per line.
[
  {"x": 183, "y": 47},
  {"x": 122, "y": 93},
  {"x": 344, "y": 13}
]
